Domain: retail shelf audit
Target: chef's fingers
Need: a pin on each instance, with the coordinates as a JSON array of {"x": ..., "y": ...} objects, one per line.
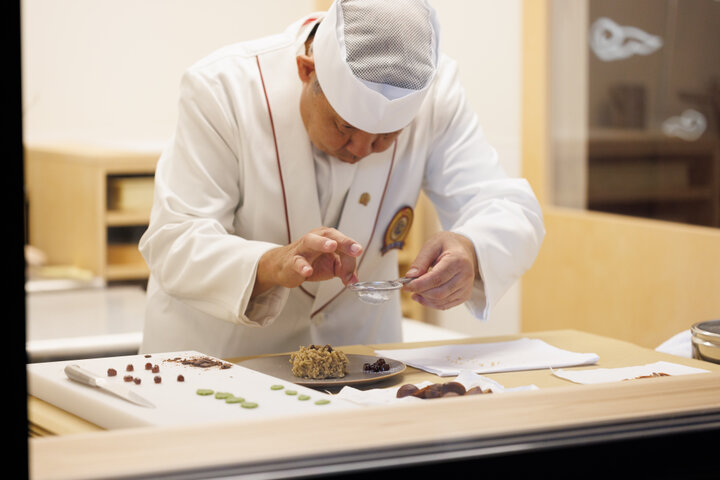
[
  {"x": 328, "y": 240},
  {"x": 282, "y": 266},
  {"x": 318, "y": 255},
  {"x": 346, "y": 269},
  {"x": 454, "y": 300},
  {"x": 445, "y": 255},
  {"x": 302, "y": 266},
  {"x": 345, "y": 244},
  {"x": 312, "y": 245},
  {"x": 442, "y": 272},
  {"x": 426, "y": 258},
  {"x": 442, "y": 287},
  {"x": 446, "y": 294}
]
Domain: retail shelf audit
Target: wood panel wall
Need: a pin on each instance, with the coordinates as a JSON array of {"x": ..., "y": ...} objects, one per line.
[{"x": 633, "y": 279}]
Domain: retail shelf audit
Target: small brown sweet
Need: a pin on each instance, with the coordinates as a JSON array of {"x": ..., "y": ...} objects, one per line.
[
  {"x": 380, "y": 365},
  {"x": 433, "y": 391},
  {"x": 148, "y": 366},
  {"x": 406, "y": 390},
  {"x": 453, "y": 387},
  {"x": 421, "y": 393},
  {"x": 438, "y": 390},
  {"x": 180, "y": 378},
  {"x": 137, "y": 380},
  {"x": 477, "y": 391},
  {"x": 111, "y": 372},
  {"x": 157, "y": 379},
  {"x": 129, "y": 368},
  {"x": 155, "y": 369},
  {"x": 128, "y": 378}
]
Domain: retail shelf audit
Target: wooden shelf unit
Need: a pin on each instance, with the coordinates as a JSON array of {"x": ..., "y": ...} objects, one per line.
[
  {"x": 646, "y": 174},
  {"x": 70, "y": 214}
]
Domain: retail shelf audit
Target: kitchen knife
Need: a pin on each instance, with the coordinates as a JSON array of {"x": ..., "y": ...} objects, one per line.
[{"x": 80, "y": 375}]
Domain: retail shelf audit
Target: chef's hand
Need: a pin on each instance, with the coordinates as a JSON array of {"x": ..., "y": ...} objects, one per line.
[
  {"x": 444, "y": 271},
  {"x": 321, "y": 254}
]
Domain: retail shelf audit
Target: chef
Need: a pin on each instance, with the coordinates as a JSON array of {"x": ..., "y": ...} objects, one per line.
[{"x": 294, "y": 171}]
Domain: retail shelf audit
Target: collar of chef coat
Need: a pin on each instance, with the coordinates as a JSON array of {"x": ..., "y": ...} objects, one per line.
[{"x": 296, "y": 171}]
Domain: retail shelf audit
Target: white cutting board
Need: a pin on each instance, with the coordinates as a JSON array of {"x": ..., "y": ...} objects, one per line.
[{"x": 176, "y": 403}]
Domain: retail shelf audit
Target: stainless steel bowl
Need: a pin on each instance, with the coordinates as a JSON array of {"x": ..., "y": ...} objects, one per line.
[{"x": 705, "y": 338}]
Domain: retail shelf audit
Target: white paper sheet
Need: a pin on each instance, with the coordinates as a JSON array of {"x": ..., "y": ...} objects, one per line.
[
  {"x": 514, "y": 355},
  {"x": 606, "y": 375}
]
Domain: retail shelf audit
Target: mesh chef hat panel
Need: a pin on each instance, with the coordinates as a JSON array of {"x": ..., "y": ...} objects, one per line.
[
  {"x": 375, "y": 59},
  {"x": 383, "y": 52}
]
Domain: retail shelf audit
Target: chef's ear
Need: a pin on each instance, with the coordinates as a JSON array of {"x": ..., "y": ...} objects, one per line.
[{"x": 306, "y": 66}]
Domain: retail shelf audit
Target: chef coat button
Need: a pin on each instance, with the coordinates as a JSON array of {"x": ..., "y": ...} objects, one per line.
[{"x": 364, "y": 199}]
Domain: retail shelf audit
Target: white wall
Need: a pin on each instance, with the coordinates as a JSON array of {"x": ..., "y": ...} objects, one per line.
[
  {"x": 107, "y": 71},
  {"x": 485, "y": 37}
]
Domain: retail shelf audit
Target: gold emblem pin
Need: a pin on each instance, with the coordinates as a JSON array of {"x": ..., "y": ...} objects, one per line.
[{"x": 364, "y": 199}]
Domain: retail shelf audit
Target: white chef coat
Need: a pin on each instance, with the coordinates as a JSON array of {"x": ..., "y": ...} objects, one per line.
[{"x": 239, "y": 178}]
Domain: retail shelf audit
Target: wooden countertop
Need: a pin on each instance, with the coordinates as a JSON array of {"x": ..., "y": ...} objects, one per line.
[{"x": 77, "y": 449}]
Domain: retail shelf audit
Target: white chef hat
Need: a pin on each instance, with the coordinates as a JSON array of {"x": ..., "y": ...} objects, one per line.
[{"x": 375, "y": 60}]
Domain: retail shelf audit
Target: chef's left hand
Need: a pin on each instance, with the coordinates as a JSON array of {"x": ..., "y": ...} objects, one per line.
[{"x": 444, "y": 271}]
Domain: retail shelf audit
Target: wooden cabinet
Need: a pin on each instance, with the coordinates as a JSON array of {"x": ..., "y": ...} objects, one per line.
[{"x": 88, "y": 207}]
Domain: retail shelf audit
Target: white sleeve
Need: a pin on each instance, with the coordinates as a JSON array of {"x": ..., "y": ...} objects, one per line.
[
  {"x": 474, "y": 196},
  {"x": 190, "y": 245}
]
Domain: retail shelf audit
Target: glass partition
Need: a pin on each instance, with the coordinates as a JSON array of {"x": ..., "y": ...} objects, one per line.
[{"x": 636, "y": 97}]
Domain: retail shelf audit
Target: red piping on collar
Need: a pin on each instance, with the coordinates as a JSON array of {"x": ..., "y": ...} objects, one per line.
[
  {"x": 282, "y": 185},
  {"x": 277, "y": 159},
  {"x": 372, "y": 233},
  {"x": 308, "y": 21},
  {"x": 277, "y": 152}
]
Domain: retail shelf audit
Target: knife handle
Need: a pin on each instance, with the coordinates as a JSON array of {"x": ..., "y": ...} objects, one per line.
[{"x": 75, "y": 372}]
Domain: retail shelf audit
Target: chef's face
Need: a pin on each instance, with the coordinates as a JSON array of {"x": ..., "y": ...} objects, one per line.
[{"x": 327, "y": 130}]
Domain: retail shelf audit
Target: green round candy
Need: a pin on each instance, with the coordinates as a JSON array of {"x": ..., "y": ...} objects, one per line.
[
  {"x": 304, "y": 397},
  {"x": 248, "y": 405},
  {"x": 290, "y": 392},
  {"x": 204, "y": 391},
  {"x": 322, "y": 401},
  {"x": 223, "y": 395},
  {"x": 234, "y": 399},
  {"x": 276, "y": 387}
]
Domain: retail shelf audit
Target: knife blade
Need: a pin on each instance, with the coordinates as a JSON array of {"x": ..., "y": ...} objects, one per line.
[{"x": 86, "y": 377}]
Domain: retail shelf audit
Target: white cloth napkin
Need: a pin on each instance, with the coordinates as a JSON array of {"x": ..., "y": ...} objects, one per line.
[
  {"x": 679, "y": 344},
  {"x": 514, "y": 355},
  {"x": 605, "y": 375},
  {"x": 385, "y": 396}
]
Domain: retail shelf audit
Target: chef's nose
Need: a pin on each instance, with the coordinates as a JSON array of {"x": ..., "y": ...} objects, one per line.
[{"x": 361, "y": 143}]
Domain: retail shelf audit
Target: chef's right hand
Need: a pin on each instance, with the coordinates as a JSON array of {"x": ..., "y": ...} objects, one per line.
[{"x": 321, "y": 254}]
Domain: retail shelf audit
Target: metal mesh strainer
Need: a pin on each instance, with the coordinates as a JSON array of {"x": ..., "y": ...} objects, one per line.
[{"x": 378, "y": 291}]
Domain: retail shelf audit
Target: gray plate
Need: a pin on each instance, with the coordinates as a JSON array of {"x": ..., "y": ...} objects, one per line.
[{"x": 279, "y": 366}]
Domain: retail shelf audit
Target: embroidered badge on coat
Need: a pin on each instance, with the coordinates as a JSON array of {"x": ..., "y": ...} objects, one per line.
[{"x": 398, "y": 230}]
